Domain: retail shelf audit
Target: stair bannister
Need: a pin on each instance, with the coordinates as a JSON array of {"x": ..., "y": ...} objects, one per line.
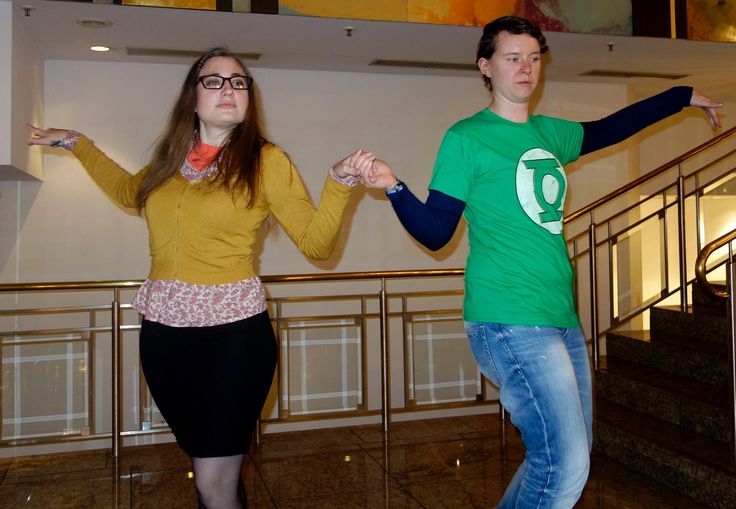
[
  {"x": 732, "y": 314},
  {"x": 649, "y": 176},
  {"x": 700, "y": 264},
  {"x": 590, "y": 212},
  {"x": 702, "y": 276}
]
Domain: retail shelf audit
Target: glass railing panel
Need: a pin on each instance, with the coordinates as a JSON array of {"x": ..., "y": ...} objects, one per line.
[
  {"x": 711, "y": 164},
  {"x": 638, "y": 268},
  {"x": 329, "y": 335},
  {"x": 46, "y": 386},
  {"x": 441, "y": 365},
  {"x": 718, "y": 217},
  {"x": 724, "y": 185},
  {"x": 323, "y": 366}
]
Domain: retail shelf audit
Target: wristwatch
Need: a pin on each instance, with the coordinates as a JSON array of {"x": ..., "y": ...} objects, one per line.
[{"x": 398, "y": 186}]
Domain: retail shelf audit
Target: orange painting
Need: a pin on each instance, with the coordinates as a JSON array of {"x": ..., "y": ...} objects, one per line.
[
  {"x": 711, "y": 20},
  {"x": 380, "y": 10},
  {"x": 611, "y": 17},
  {"x": 581, "y": 16},
  {"x": 443, "y": 12},
  {"x": 209, "y": 5},
  {"x": 465, "y": 13}
]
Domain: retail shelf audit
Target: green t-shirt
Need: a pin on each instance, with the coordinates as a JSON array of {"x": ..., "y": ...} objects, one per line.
[{"x": 511, "y": 177}]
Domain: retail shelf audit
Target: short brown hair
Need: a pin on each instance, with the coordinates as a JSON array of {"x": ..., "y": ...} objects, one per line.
[{"x": 513, "y": 25}]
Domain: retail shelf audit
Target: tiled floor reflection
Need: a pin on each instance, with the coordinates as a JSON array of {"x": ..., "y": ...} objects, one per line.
[{"x": 442, "y": 463}]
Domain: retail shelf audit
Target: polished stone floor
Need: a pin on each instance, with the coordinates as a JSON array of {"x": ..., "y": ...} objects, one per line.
[{"x": 452, "y": 462}]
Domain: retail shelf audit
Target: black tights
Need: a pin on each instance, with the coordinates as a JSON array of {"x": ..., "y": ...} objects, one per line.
[
  {"x": 218, "y": 481},
  {"x": 210, "y": 384}
]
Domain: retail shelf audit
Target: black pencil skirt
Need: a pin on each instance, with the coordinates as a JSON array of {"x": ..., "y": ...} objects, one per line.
[{"x": 210, "y": 383}]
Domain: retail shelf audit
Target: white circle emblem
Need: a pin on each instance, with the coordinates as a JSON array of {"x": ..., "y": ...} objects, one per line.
[{"x": 541, "y": 185}]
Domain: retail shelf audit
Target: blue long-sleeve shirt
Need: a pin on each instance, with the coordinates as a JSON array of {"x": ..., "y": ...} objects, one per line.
[{"x": 433, "y": 223}]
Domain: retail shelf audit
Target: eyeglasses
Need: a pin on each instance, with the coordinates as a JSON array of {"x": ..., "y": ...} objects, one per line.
[{"x": 216, "y": 82}]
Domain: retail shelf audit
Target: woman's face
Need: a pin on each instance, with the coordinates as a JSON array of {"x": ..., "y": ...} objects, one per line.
[
  {"x": 514, "y": 68},
  {"x": 224, "y": 108}
]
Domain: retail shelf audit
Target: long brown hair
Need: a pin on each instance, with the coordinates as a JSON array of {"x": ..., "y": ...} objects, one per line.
[{"x": 238, "y": 161}]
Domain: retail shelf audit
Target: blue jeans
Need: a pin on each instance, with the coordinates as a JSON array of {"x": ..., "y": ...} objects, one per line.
[{"x": 543, "y": 374}]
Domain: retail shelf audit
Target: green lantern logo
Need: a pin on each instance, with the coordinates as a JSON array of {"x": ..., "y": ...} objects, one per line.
[{"x": 541, "y": 186}]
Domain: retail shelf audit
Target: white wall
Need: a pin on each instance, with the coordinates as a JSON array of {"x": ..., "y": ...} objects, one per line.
[
  {"x": 27, "y": 97},
  {"x": 6, "y": 40},
  {"x": 66, "y": 229},
  {"x": 21, "y": 95}
]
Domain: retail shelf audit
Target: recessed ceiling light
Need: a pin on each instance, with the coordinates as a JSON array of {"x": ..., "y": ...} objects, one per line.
[
  {"x": 99, "y": 48},
  {"x": 94, "y": 23}
]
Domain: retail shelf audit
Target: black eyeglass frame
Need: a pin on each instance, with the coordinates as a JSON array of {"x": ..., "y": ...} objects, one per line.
[{"x": 248, "y": 81}]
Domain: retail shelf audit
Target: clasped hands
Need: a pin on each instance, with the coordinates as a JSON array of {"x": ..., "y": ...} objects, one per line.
[{"x": 372, "y": 172}]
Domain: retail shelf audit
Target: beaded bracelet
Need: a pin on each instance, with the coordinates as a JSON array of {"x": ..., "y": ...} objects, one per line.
[
  {"x": 348, "y": 180},
  {"x": 68, "y": 142}
]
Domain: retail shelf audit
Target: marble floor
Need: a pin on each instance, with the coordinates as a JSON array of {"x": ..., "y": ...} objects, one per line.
[{"x": 445, "y": 463}]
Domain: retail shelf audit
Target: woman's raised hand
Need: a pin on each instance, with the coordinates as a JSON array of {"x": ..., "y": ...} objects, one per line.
[
  {"x": 48, "y": 137},
  {"x": 708, "y": 106},
  {"x": 354, "y": 165},
  {"x": 379, "y": 175}
]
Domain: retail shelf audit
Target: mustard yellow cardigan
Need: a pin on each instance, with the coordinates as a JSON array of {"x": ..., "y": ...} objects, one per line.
[{"x": 205, "y": 237}]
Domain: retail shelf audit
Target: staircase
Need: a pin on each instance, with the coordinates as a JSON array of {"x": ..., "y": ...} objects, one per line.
[{"x": 662, "y": 402}]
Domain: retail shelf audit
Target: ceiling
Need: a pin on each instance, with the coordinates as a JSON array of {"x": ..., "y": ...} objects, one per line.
[{"x": 298, "y": 42}]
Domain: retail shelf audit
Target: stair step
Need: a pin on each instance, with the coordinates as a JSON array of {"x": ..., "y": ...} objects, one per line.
[
  {"x": 667, "y": 436},
  {"x": 696, "y": 406},
  {"x": 667, "y": 382},
  {"x": 692, "y": 329},
  {"x": 704, "y": 303},
  {"x": 695, "y": 466},
  {"x": 689, "y": 361}
]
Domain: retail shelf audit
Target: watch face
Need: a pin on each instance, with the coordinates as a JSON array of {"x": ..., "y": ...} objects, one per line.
[{"x": 396, "y": 187}]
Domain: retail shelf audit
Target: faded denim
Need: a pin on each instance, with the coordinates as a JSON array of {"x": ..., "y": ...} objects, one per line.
[{"x": 544, "y": 378}]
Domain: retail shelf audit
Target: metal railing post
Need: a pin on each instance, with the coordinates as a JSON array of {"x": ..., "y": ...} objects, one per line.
[
  {"x": 731, "y": 277},
  {"x": 385, "y": 364},
  {"x": 116, "y": 381},
  {"x": 682, "y": 245},
  {"x": 282, "y": 355},
  {"x": 593, "y": 295},
  {"x": 503, "y": 419}
]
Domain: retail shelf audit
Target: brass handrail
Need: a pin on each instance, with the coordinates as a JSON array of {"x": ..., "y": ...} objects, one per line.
[
  {"x": 702, "y": 260},
  {"x": 272, "y": 278},
  {"x": 593, "y": 224},
  {"x": 650, "y": 175},
  {"x": 69, "y": 285},
  {"x": 116, "y": 327}
]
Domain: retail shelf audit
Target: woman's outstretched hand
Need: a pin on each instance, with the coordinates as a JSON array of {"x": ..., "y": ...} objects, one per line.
[
  {"x": 354, "y": 165},
  {"x": 708, "y": 106},
  {"x": 48, "y": 137},
  {"x": 380, "y": 175}
]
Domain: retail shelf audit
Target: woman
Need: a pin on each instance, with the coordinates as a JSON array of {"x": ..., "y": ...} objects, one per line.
[
  {"x": 503, "y": 169},
  {"x": 207, "y": 346}
]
